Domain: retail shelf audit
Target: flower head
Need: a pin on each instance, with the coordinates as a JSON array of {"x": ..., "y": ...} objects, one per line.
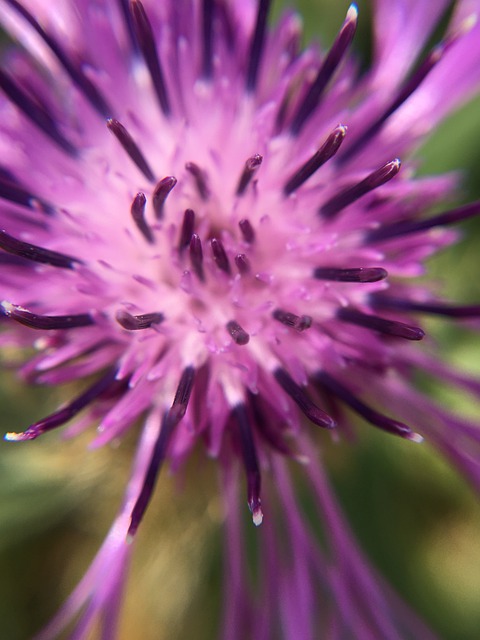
[{"x": 215, "y": 229}]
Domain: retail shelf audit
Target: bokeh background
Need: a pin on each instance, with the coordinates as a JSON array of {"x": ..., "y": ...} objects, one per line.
[{"x": 417, "y": 520}]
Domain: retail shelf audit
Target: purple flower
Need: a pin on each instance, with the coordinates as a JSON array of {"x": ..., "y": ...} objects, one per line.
[{"x": 213, "y": 228}]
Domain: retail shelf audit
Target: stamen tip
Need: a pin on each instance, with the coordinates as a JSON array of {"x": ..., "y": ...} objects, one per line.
[
  {"x": 320, "y": 418},
  {"x": 257, "y": 516},
  {"x": 301, "y": 459},
  {"x": 132, "y": 530},
  {"x": 416, "y": 333},
  {"x": 415, "y": 437},
  {"x": 12, "y": 436},
  {"x": 468, "y": 23},
  {"x": 7, "y": 307},
  {"x": 352, "y": 13},
  {"x": 330, "y": 423}
]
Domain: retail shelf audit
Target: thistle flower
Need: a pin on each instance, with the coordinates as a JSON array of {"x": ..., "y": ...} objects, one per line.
[{"x": 214, "y": 229}]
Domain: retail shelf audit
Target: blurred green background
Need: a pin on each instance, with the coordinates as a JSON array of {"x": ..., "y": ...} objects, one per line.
[{"x": 416, "y": 518}]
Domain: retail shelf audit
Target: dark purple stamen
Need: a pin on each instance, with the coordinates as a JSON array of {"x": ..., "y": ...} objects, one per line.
[
  {"x": 332, "y": 60},
  {"x": 326, "y": 151},
  {"x": 196, "y": 256},
  {"x": 131, "y": 147},
  {"x": 160, "y": 194},
  {"x": 406, "y": 227},
  {"x": 35, "y": 113},
  {"x": 135, "y": 323},
  {"x": 220, "y": 255},
  {"x": 149, "y": 482},
  {"x": 298, "y": 395},
  {"x": 169, "y": 422},
  {"x": 247, "y": 230},
  {"x": 7, "y": 175},
  {"x": 382, "y": 325},
  {"x": 36, "y": 321},
  {"x": 12, "y": 190},
  {"x": 138, "y": 214},
  {"x": 242, "y": 263},
  {"x": 376, "y": 179},
  {"x": 86, "y": 86},
  {"x": 239, "y": 335},
  {"x": 433, "y": 308},
  {"x": 270, "y": 430},
  {"x": 13, "y": 261},
  {"x": 256, "y": 45},
  {"x": 361, "y": 274},
  {"x": 369, "y": 414},
  {"x": 228, "y": 25},
  {"x": 208, "y": 8},
  {"x": 250, "y": 462},
  {"x": 127, "y": 17},
  {"x": 182, "y": 396},
  {"x": 35, "y": 253},
  {"x": 187, "y": 229},
  {"x": 252, "y": 165},
  {"x": 146, "y": 42},
  {"x": 299, "y": 323},
  {"x": 404, "y": 93},
  {"x": 283, "y": 109},
  {"x": 200, "y": 179},
  {"x": 62, "y": 416}
]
